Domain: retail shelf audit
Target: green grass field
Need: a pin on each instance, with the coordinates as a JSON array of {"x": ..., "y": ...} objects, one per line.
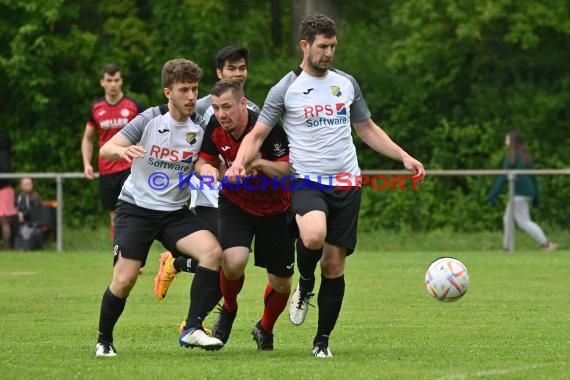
[{"x": 512, "y": 324}]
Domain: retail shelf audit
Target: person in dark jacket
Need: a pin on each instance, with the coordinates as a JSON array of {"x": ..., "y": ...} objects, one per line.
[
  {"x": 28, "y": 199},
  {"x": 526, "y": 191}
]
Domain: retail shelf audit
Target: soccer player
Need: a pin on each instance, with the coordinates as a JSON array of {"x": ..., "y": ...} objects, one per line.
[
  {"x": 317, "y": 105},
  {"x": 107, "y": 116},
  {"x": 231, "y": 62},
  {"x": 258, "y": 209},
  {"x": 152, "y": 207}
]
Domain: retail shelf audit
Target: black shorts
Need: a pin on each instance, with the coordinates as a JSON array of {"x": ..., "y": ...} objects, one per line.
[
  {"x": 110, "y": 186},
  {"x": 209, "y": 216},
  {"x": 136, "y": 228},
  {"x": 274, "y": 247},
  {"x": 341, "y": 207}
]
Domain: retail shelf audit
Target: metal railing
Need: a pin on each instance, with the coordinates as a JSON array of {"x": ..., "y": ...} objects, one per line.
[{"x": 511, "y": 176}]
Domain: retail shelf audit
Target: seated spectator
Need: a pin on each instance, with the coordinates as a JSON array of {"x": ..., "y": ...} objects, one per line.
[
  {"x": 28, "y": 199},
  {"x": 30, "y": 208}
]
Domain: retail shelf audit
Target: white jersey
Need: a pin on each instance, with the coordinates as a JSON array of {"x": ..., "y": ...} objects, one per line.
[
  {"x": 316, "y": 113},
  {"x": 204, "y": 196},
  {"x": 172, "y": 148}
]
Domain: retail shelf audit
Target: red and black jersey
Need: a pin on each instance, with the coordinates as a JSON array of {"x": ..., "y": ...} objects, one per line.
[
  {"x": 110, "y": 119},
  {"x": 269, "y": 198}
]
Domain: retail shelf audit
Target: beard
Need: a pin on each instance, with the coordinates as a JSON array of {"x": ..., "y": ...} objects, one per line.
[{"x": 315, "y": 66}]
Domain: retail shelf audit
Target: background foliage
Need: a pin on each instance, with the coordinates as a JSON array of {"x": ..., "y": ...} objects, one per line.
[{"x": 446, "y": 79}]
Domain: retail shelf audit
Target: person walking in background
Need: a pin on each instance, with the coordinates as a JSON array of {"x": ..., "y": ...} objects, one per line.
[
  {"x": 317, "y": 105},
  {"x": 526, "y": 191},
  {"x": 7, "y": 201},
  {"x": 152, "y": 207},
  {"x": 231, "y": 63},
  {"x": 106, "y": 117}
]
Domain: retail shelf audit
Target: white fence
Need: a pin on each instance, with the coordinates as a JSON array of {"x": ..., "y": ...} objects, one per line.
[{"x": 511, "y": 175}]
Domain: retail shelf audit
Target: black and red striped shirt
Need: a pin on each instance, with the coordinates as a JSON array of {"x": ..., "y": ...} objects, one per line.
[{"x": 267, "y": 199}]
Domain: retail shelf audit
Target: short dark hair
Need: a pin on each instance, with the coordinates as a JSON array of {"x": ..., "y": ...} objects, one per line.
[
  {"x": 111, "y": 69},
  {"x": 180, "y": 70},
  {"x": 315, "y": 24},
  {"x": 230, "y": 53},
  {"x": 224, "y": 85}
]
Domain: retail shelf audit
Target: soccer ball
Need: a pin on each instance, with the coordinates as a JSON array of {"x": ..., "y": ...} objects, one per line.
[{"x": 447, "y": 279}]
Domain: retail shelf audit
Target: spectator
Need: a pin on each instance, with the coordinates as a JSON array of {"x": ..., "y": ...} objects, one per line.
[
  {"x": 526, "y": 191},
  {"x": 7, "y": 201},
  {"x": 28, "y": 199}
]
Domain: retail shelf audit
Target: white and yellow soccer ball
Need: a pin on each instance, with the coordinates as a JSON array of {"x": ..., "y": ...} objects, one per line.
[{"x": 447, "y": 279}]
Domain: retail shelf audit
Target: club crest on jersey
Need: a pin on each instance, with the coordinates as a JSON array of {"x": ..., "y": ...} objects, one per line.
[
  {"x": 191, "y": 138},
  {"x": 336, "y": 91},
  {"x": 125, "y": 112},
  {"x": 278, "y": 149}
]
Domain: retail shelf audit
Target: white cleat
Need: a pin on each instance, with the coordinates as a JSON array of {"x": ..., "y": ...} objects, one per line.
[
  {"x": 299, "y": 306},
  {"x": 322, "y": 351},
  {"x": 105, "y": 350},
  {"x": 198, "y": 338}
]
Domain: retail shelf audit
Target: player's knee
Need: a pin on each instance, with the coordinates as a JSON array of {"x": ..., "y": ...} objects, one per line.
[
  {"x": 313, "y": 239},
  {"x": 281, "y": 284},
  {"x": 331, "y": 268},
  {"x": 211, "y": 257},
  {"x": 122, "y": 286}
]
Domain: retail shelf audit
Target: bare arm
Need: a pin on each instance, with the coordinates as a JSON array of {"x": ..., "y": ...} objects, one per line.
[
  {"x": 206, "y": 168},
  {"x": 118, "y": 148},
  {"x": 378, "y": 140},
  {"x": 271, "y": 168},
  {"x": 87, "y": 151},
  {"x": 248, "y": 150}
]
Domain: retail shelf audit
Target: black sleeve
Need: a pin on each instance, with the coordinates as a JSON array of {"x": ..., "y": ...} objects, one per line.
[
  {"x": 208, "y": 145},
  {"x": 275, "y": 145}
]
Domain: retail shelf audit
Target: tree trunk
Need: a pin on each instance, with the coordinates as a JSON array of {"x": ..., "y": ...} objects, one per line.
[{"x": 302, "y": 8}]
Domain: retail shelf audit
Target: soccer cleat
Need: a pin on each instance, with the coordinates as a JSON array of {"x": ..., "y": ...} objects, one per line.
[
  {"x": 549, "y": 247},
  {"x": 166, "y": 274},
  {"x": 223, "y": 326},
  {"x": 263, "y": 339},
  {"x": 195, "y": 337},
  {"x": 105, "y": 349},
  {"x": 183, "y": 325},
  {"x": 299, "y": 305},
  {"x": 321, "y": 350}
]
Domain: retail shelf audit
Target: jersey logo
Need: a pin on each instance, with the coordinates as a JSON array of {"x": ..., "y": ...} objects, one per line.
[
  {"x": 226, "y": 147},
  {"x": 125, "y": 112},
  {"x": 336, "y": 91},
  {"x": 191, "y": 138},
  {"x": 187, "y": 157},
  {"x": 278, "y": 149},
  {"x": 308, "y": 91},
  {"x": 161, "y": 131},
  {"x": 340, "y": 109}
]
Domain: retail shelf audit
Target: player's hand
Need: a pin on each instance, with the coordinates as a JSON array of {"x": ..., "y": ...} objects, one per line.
[
  {"x": 131, "y": 152},
  {"x": 234, "y": 172},
  {"x": 416, "y": 167},
  {"x": 209, "y": 173},
  {"x": 88, "y": 172}
]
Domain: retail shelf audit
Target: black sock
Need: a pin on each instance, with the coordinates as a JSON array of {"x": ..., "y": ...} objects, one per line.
[
  {"x": 203, "y": 292},
  {"x": 307, "y": 260},
  {"x": 330, "y": 298},
  {"x": 183, "y": 264},
  {"x": 111, "y": 309}
]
